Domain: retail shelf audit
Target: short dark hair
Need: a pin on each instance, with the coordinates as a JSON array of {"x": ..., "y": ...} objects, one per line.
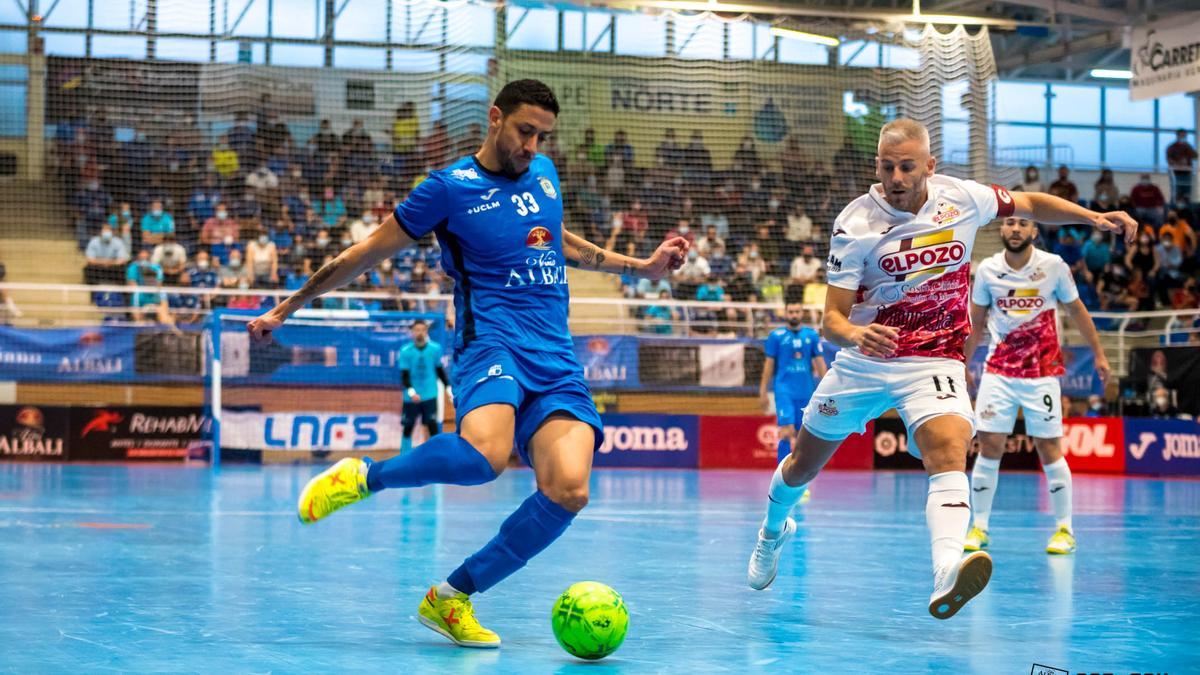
[
  {"x": 419, "y": 322},
  {"x": 531, "y": 92}
]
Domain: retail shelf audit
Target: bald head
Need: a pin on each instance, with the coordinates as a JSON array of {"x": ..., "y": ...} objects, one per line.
[{"x": 902, "y": 131}]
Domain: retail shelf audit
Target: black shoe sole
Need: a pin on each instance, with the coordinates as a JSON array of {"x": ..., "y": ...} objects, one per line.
[{"x": 973, "y": 574}]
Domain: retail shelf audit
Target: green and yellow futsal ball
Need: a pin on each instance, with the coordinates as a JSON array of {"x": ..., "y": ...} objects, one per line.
[{"x": 590, "y": 620}]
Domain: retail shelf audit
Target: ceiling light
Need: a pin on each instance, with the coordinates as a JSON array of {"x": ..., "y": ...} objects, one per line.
[
  {"x": 1109, "y": 74},
  {"x": 779, "y": 31}
]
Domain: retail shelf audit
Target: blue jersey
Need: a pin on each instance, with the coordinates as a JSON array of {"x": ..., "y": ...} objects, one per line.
[
  {"x": 501, "y": 241},
  {"x": 793, "y": 352},
  {"x": 422, "y": 364}
]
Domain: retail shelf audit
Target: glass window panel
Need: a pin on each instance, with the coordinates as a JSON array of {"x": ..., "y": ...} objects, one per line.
[
  {"x": 13, "y": 42},
  {"x": 1020, "y": 102},
  {"x": 472, "y": 26},
  {"x": 227, "y": 51},
  {"x": 10, "y": 12},
  {"x": 1071, "y": 104},
  {"x": 1129, "y": 150},
  {"x": 532, "y": 28},
  {"x": 896, "y": 56},
  {"x": 859, "y": 53},
  {"x": 12, "y": 110},
  {"x": 741, "y": 40},
  {"x": 572, "y": 27},
  {"x": 68, "y": 13},
  {"x": 417, "y": 23},
  {"x": 1084, "y": 145},
  {"x": 641, "y": 35},
  {"x": 415, "y": 60},
  {"x": 1177, "y": 112},
  {"x": 463, "y": 91},
  {"x": 956, "y": 142},
  {"x": 699, "y": 38},
  {"x": 1019, "y": 145},
  {"x": 1122, "y": 112},
  {"x": 802, "y": 51},
  {"x": 119, "y": 47},
  {"x": 952, "y": 100},
  {"x": 764, "y": 43},
  {"x": 298, "y": 55},
  {"x": 11, "y": 73},
  {"x": 64, "y": 44},
  {"x": 460, "y": 62},
  {"x": 360, "y": 57},
  {"x": 122, "y": 14},
  {"x": 180, "y": 17},
  {"x": 181, "y": 49},
  {"x": 253, "y": 23},
  {"x": 361, "y": 20},
  {"x": 598, "y": 37},
  {"x": 295, "y": 18}
]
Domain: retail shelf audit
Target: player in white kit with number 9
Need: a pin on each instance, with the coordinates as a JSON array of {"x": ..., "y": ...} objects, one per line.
[
  {"x": 897, "y": 304},
  {"x": 1017, "y": 291}
]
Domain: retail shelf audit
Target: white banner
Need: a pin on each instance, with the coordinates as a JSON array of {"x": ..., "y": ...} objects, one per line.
[
  {"x": 1166, "y": 57},
  {"x": 721, "y": 365},
  {"x": 313, "y": 431}
]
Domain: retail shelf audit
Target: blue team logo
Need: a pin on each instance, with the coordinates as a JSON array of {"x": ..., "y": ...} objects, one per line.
[
  {"x": 547, "y": 187},
  {"x": 539, "y": 238}
]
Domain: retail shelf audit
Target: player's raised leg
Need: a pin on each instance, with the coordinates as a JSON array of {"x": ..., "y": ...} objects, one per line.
[
  {"x": 984, "y": 479},
  {"x": 561, "y": 453},
  {"x": 1058, "y": 479},
  {"x": 476, "y": 454},
  {"x": 942, "y": 441},
  {"x": 794, "y": 473}
]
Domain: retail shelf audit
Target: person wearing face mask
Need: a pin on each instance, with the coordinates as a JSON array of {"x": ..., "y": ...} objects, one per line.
[
  {"x": 795, "y": 362},
  {"x": 232, "y": 272},
  {"x": 330, "y": 208},
  {"x": 1148, "y": 201},
  {"x": 92, "y": 204},
  {"x": 1032, "y": 181},
  {"x": 1096, "y": 252},
  {"x": 201, "y": 273},
  {"x": 143, "y": 272},
  {"x": 363, "y": 227},
  {"x": 683, "y": 228},
  {"x": 1170, "y": 263},
  {"x": 1161, "y": 404},
  {"x": 219, "y": 227},
  {"x": 262, "y": 258},
  {"x": 1182, "y": 234},
  {"x": 222, "y": 249},
  {"x": 172, "y": 257},
  {"x": 1107, "y": 194},
  {"x": 751, "y": 258},
  {"x": 1143, "y": 256},
  {"x": 322, "y": 246},
  {"x": 107, "y": 256},
  {"x": 1097, "y": 406},
  {"x": 805, "y": 267}
]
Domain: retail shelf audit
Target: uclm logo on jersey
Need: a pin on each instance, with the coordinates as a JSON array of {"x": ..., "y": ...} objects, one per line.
[
  {"x": 929, "y": 254},
  {"x": 1020, "y": 301},
  {"x": 539, "y": 238}
]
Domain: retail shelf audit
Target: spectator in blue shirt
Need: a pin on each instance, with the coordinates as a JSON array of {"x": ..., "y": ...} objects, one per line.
[
  {"x": 661, "y": 316},
  {"x": 331, "y": 209},
  {"x": 156, "y": 223},
  {"x": 203, "y": 202},
  {"x": 1067, "y": 248},
  {"x": 711, "y": 291},
  {"x": 142, "y": 272},
  {"x": 1096, "y": 252}
]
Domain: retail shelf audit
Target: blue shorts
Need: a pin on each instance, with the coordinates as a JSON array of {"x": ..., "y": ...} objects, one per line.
[
  {"x": 789, "y": 407},
  {"x": 535, "y": 385}
]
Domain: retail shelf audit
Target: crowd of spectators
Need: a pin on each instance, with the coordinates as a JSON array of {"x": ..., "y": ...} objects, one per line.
[{"x": 261, "y": 208}]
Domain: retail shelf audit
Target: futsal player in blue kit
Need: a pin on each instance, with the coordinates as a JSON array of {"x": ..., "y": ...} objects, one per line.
[
  {"x": 499, "y": 218},
  {"x": 794, "y": 365},
  {"x": 420, "y": 370}
]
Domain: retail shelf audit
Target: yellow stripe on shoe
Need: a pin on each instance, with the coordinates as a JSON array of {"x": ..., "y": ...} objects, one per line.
[
  {"x": 454, "y": 619},
  {"x": 1061, "y": 543}
]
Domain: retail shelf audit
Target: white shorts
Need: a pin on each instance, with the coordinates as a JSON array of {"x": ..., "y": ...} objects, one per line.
[
  {"x": 857, "y": 389},
  {"x": 999, "y": 397}
]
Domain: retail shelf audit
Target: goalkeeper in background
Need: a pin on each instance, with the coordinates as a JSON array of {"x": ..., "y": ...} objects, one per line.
[{"x": 420, "y": 370}]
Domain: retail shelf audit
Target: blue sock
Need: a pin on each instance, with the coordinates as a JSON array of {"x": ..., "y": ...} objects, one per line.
[
  {"x": 405, "y": 444},
  {"x": 783, "y": 449},
  {"x": 535, "y": 524},
  {"x": 445, "y": 458}
]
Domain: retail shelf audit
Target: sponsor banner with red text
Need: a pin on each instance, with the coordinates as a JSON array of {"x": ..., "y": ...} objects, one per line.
[
  {"x": 750, "y": 442},
  {"x": 140, "y": 433},
  {"x": 1094, "y": 444}
]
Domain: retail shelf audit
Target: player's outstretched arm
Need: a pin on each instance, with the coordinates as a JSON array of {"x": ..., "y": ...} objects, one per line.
[
  {"x": 583, "y": 254},
  {"x": 1045, "y": 208},
  {"x": 1083, "y": 323},
  {"x": 364, "y": 255},
  {"x": 872, "y": 340},
  {"x": 978, "y": 327}
]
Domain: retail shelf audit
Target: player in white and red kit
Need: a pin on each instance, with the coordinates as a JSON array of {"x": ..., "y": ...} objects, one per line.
[
  {"x": 897, "y": 304},
  {"x": 1017, "y": 291}
]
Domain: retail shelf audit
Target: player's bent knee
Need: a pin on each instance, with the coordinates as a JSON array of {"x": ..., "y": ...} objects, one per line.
[{"x": 571, "y": 497}]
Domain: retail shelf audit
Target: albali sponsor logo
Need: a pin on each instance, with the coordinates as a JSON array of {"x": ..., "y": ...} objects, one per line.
[
  {"x": 29, "y": 436},
  {"x": 644, "y": 439}
]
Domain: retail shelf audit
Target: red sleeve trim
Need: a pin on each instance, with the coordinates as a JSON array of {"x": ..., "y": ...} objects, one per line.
[{"x": 1005, "y": 206}]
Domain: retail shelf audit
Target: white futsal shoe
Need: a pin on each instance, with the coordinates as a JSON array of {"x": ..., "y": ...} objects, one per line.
[
  {"x": 764, "y": 562},
  {"x": 954, "y": 586}
]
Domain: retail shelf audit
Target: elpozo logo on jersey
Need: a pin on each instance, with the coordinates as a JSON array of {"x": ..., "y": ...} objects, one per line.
[
  {"x": 1020, "y": 301},
  {"x": 547, "y": 187},
  {"x": 946, "y": 212},
  {"x": 928, "y": 254}
]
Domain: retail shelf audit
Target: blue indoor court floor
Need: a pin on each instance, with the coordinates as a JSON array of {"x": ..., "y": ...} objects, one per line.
[{"x": 170, "y": 568}]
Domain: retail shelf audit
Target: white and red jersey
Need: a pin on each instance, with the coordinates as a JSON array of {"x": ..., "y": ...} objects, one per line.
[
  {"x": 912, "y": 272},
  {"x": 1021, "y": 316}
]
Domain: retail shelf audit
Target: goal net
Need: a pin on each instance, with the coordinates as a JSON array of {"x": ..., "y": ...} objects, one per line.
[{"x": 327, "y": 385}]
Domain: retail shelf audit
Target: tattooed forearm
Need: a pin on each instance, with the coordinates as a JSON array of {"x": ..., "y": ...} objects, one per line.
[
  {"x": 599, "y": 258},
  {"x": 587, "y": 254},
  {"x": 312, "y": 287}
]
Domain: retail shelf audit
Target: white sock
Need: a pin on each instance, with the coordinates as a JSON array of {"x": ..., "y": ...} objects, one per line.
[
  {"x": 948, "y": 513},
  {"x": 780, "y": 500},
  {"x": 1058, "y": 475},
  {"x": 984, "y": 478},
  {"x": 445, "y": 590}
]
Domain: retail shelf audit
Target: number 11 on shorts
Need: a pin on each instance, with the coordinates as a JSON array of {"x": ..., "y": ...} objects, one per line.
[{"x": 937, "y": 384}]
